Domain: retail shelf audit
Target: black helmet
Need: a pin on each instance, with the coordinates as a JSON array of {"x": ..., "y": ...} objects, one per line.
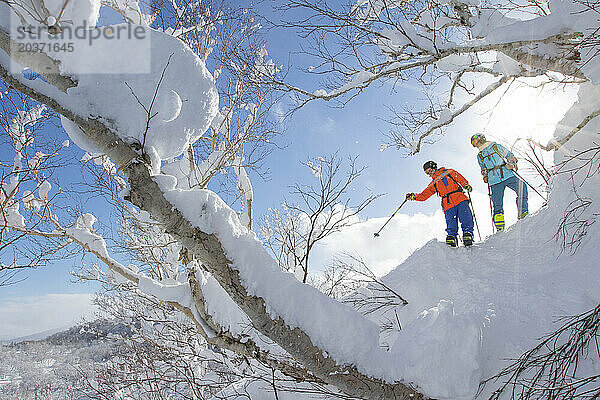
[{"x": 429, "y": 164}]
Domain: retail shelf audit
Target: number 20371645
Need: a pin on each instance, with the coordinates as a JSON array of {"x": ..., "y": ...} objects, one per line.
[{"x": 34, "y": 47}]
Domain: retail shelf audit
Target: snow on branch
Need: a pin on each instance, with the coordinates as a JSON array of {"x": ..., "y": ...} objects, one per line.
[
  {"x": 189, "y": 297},
  {"x": 377, "y": 41}
]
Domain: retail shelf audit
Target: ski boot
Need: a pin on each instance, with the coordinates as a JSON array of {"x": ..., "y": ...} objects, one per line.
[
  {"x": 499, "y": 222},
  {"x": 451, "y": 241},
  {"x": 523, "y": 215},
  {"x": 468, "y": 239}
]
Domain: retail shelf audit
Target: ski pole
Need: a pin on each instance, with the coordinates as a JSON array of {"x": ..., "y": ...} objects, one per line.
[
  {"x": 521, "y": 178},
  {"x": 491, "y": 206},
  {"x": 528, "y": 184},
  {"x": 474, "y": 218},
  {"x": 376, "y": 234}
]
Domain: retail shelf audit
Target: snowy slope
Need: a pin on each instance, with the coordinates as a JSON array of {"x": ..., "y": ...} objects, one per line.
[
  {"x": 493, "y": 301},
  {"x": 511, "y": 288}
]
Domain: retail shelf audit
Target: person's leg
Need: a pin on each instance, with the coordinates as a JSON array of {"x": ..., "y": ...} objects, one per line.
[
  {"x": 498, "y": 197},
  {"x": 451, "y": 226},
  {"x": 520, "y": 188},
  {"x": 451, "y": 221},
  {"x": 465, "y": 216},
  {"x": 498, "y": 202}
]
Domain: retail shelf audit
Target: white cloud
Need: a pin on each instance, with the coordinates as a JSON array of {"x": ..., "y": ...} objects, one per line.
[
  {"x": 400, "y": 237},
  {"x": 279, "y": 112},
  {"x": 22, "y": 316},
  {"x": 327, "y": 126}
]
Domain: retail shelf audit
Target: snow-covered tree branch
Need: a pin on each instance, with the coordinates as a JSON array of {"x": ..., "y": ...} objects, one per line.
[
  {"x": 457, "y": 44},
  {"x": 26, "y": 182}
]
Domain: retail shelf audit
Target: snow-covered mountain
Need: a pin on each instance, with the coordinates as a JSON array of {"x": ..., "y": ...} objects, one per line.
[
  {"x": 56, "y": 366},
  {"x": 33, "y": 337}
]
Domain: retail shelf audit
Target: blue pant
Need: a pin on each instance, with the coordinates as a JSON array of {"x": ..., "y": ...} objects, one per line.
[
  {"x": 461, "y": 212},
  {"x": 516, "y": 185}
]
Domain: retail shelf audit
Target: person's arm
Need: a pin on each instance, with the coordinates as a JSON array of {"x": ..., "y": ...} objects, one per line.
[
  {"x": 484, "y": 168},
  {"x": 426, "y": 193},
  {"x": 509, "y": 158}
]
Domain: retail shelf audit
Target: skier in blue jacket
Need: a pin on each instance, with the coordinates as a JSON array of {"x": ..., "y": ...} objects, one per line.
[{"x": 497, "y": 164}]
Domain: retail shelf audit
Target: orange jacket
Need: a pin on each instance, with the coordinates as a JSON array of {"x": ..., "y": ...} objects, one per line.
[{"x": 445, "y": 182}]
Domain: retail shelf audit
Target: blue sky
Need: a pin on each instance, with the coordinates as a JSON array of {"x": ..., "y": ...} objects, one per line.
[{"x": 314, "y": 130}]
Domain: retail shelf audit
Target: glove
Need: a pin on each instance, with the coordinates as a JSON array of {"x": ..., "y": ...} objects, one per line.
[
  {"x": 511, "y": 162},
  {"x": 411, "y": 196},
  {"x": 468, "y": 187},
  {"x": 484, "y": 172},
  {"x": 485, "y": 178}
]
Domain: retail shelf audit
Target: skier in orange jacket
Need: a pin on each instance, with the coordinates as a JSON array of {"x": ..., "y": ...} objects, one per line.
[{"x": 449, "y": 185}]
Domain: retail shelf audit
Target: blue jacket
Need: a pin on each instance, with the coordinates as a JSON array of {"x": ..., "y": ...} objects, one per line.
[{"x": 492, "y": 158}]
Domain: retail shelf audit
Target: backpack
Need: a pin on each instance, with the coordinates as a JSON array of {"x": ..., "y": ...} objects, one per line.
[{"x": 496, "y": 167}]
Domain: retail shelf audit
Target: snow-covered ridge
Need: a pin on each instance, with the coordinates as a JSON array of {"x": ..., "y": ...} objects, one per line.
[
  {"x": 33, "y": 337},
  {"x": 490, "y": 303},
  {"x": 46, "y": 365}
]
